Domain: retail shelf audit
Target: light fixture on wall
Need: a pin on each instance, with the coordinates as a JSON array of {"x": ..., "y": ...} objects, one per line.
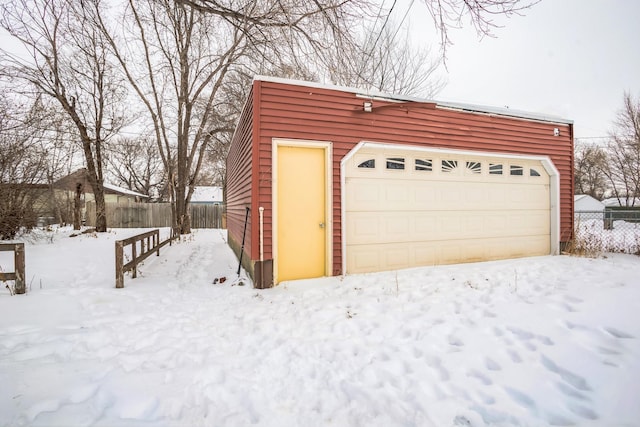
[
  {"x": 368, "y": 106},
  {"x": 556, "y": 132}
]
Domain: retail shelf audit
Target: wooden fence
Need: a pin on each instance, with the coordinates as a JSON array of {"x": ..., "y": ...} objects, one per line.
[
  {"x": 142, "y": 246},
  {"x": 18, "y": 266},
  {"x": 147, "y": 215}
]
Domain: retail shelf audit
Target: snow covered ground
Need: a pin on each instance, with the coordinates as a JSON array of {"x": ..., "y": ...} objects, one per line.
[{"x": 530, "y": 342}]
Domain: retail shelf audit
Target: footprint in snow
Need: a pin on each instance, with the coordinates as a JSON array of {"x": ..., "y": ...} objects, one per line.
[
  {"x": 570, "y": 391},
  {"x": 485, "y": 380},
  {"x": 567, "y": 376},
  {"x": 455, "y": 341},
  {"x": 604, "y": 341},
  {"x": 582, "y": 411},
  {"x": 572, "y": 299},
  {"x": 514, "y": 356},
  {"x": 456, "y": 307},
  {"x": 435, "y": 363},
  {"x": 563, "y": 306},
  {"x": 491, "y": 364},
  {"x": 406, "y": 334},
  {"x": 526, "y": 337},
  {"x": 520, "y": 333},
  {"x": 461, "y": 421},
  {"x": 521, "y": 398},
  {"x": 616, "y": 333},
  {"x": 488, "y": 313}
]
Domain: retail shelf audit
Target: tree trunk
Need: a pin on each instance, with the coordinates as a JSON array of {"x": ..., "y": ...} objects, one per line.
[
  {"x": 186, "y": 220},
  {"x": 101, "y": 212},
  {"x": 182, "y": 216},
  {"x": 76, "y": 208}
]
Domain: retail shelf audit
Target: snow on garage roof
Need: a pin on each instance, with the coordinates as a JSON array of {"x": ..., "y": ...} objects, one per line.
[
  {"x": 120, "y": 190},
  {"x": 206, "y": 194},
  {"x": 473, "y": 108}
]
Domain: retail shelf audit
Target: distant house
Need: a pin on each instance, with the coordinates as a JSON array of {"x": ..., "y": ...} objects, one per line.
[
  {"x": 114, "y": 193},
  {"x": 207, "y": 195},
  {"x": 622, "y": 201},
  {"x": 586, "y": 203},
  {"x": 79, "y": 180},
  {"x": 66, "y": 187},
  {"x": 586, "y": 207}
]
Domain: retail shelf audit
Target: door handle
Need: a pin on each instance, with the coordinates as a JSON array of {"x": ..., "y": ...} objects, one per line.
[{"x": 321, "y": 225}]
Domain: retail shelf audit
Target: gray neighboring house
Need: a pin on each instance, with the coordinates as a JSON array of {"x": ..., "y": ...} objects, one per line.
[{"x": 622, "y": 202}]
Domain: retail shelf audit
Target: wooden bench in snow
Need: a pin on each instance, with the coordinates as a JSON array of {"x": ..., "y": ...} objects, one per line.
[
  {"x": 18, "y": 265},
  {"x": 142, "y": 246}
]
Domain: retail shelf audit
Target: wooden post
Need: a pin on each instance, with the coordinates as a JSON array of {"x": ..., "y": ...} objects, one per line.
[
  {"x": 19, "y": 267},
  {"x": 156, "y": 241},
  {"x": 134, "y": 270},
  {"x": 119, "y": 259}
]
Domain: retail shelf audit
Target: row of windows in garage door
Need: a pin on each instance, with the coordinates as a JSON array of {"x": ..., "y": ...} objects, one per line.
[{"x": 451, "y": 166}]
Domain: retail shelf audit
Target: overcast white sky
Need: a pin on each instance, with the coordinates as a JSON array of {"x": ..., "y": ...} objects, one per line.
[{"x": 571, "y": 58}]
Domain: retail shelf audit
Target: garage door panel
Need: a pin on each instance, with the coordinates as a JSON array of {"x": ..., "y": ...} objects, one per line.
[
  {"x": 363, "y": 227},
  {"x": 368, "y": 227},
  {"x": 363, "y": 194},
  {"x": 531, "y": 223},
  {"x": 379, "y": 195},
  {"x": 380, "y": 227},
  {"x": 398, "y": 226},
  {"x": 424, "y": 254},
  {"x": 393, "y": 256},
  {"x": 397, "y": 195},
  {"x": 397, "y": 257},
  {"x": 363, "y": 259}
]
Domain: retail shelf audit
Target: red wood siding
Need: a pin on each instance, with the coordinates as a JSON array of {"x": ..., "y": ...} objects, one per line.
[
  {"x": 300, "y": 112},
  {"x": 238, "y": 178}
]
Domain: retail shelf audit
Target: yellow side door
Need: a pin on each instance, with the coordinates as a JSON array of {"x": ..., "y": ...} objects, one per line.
[{"x": 301, "y": 211}]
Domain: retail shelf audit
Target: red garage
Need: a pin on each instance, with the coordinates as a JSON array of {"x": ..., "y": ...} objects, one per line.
[{"x": 340, "y": 180}]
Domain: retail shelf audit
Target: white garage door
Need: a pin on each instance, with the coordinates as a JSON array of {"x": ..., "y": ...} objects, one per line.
[{"x": 407, "y": 208}]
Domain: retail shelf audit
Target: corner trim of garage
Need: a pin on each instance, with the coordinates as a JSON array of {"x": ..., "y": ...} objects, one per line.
[{"x": 554, "y": 180}]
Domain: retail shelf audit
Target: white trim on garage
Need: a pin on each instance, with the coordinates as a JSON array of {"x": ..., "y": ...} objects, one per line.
[{"x": 554, "y": 184}]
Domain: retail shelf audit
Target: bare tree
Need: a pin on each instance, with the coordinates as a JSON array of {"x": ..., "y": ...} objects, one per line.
[
  {"x": 589, "y": 164},
  {"x": 136, "y": 164},
  {"x": 190, "y": 51},
  {"x": 60, "y": 151},
  {"x": 21, "y": 169},
  {"x": 388, "y": 62},
  {"x": 68, "y": 61},
  {"x": 445, "y": 14},
  {"x": 623, "y": 165},
  {"x": 481, "y": 14}
]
